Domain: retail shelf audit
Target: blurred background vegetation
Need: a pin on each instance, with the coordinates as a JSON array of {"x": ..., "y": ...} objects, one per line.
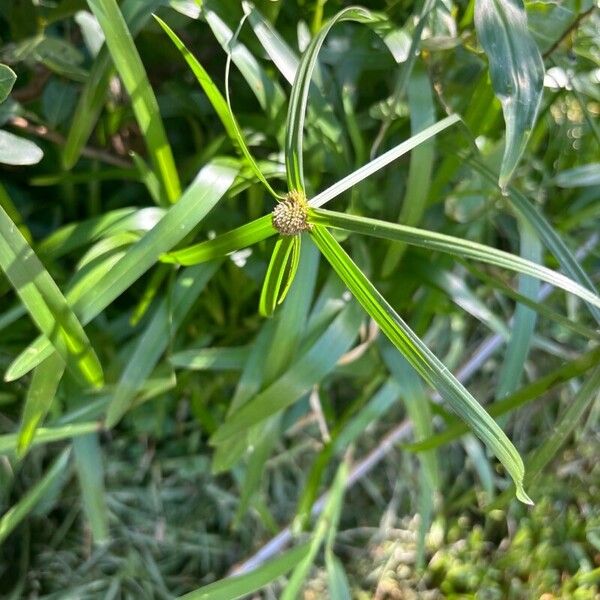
[{"x": 148, "y": 508}]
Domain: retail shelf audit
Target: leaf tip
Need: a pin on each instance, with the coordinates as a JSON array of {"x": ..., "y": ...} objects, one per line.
[{"x": 523, "y": 497}]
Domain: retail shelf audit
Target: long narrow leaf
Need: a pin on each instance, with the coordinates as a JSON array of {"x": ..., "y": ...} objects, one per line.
[
  {"x": 421, "y": 358},
  {"x": 450, "y": 245},
  {"x": 151, "y": 344},
  {"x": 136, "y": 13},
  {"x": 381, "y": 161},
  {"x": 129, "y": 65},
  {"x": 243, "y": 585},
  {"x": 219, "y": 103},
  {"x": 40, "y": 395},
  {"x": 549, "y": 236},
  {"x": 305, "y": 372},
  {"x": 526, "y": 394},
  {"x": 280, "y": 274},
  {"x": 11, "y": 519},
  {"x": 516, "y": 70},
  {"x": 236, "y": 239},
  {"x": 46, "y": 304},
  {"x": 90, "y": 472},
  {"x": 201, "y": 196},
  {"x": 299, "y": 96}
]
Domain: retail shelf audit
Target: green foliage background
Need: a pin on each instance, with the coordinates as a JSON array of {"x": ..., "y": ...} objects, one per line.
[{"x": 202, "y": 380}]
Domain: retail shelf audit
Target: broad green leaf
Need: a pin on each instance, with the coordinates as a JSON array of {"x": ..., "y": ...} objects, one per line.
[
  {"x": 414, "y": 203},
  {"x": 280, "y": 274},
  {"x": 7, "y": 80},
  {"x": 152, "y": 289},
  {"x": 524, "y": 320},
  {"x": 74, "y": 235},
  {"x": 89, "y": 466},
  {"x": 151, "y": 344},
  {"x": 200, "y": 197},
  {"x": 429, "y": 367},
  {"x": 311, "y": 366},
  {"x": 11, "y": 519},
  {"x": 40, "y": 395},
  {"x": 18, "y": 151},
  {"x": 450, "y": 245},
  {"x": 93, "y": 93},
  {"x": 45, "y": 435},
  {"x": 236, "y": 239},
  {"x": 586, "y": 175},
  {"x": 516, "y": 70},
  {"x": 241, "y": 586},
  {"x": 46, "y": 304},
  {"x": 211, "y": 359},
  {"x": 131, "y": 70},
  {"x": 299, "y": 97},
  {"x": 221, "y": 105},
  {"x": 549, "y": 236},
  {"x": 339, "y": 587},
  {"x": 526, "y": 394},
  {"x": 276, "y": 47},
  {"x": 381, "y": 161}
]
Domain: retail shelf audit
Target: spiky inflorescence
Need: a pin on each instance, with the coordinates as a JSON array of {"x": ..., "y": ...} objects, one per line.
[{"x": 290, "y": 216}]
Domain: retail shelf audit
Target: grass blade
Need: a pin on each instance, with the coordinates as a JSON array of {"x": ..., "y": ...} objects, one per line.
[
  {"x": 276, "y": 47},
  {"x": 541, "y": 456},
  {"x": 282, "y": 266},
  {"x": 516, "y": 70},
  {"x": 45, "y": 435},
  {"x": 74, "y": 235},
  {"x": 11, "y": 519},
  {"x": 236, "y": 239},
  {"x": 414, "y": 203},
  {"x": 524, "y": 321},
  {"x": 242, "y": 585},
  {"x": 90, "y": 472},
  {"x": 450, "y": 245},
  {"x": 381, "y": 161},
  {"x": 40, "y": 395},
  {"x": 549, "y": 236},
  {"x": 131, "y": 70},
  {"x": 526, "y": 394},
  {"x": 268, "y": 92},
  {"x": 211, "y": 359},
  {"x": 326, "y": 525},
  {"x": 151, "y": 344},
  {"x": 305, "y": 372},
  {"x": 136, "y": 13},
  {"x": 201, "y": 196},
  {"x": 220, "y": 104},
  {"x": 299, "y": 96},
  {"x": 46, "y": 304},
  {"x": 421, "y": 358}
]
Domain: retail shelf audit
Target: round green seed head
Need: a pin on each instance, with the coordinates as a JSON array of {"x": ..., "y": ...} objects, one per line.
[{"x": 290, "y": 217}]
